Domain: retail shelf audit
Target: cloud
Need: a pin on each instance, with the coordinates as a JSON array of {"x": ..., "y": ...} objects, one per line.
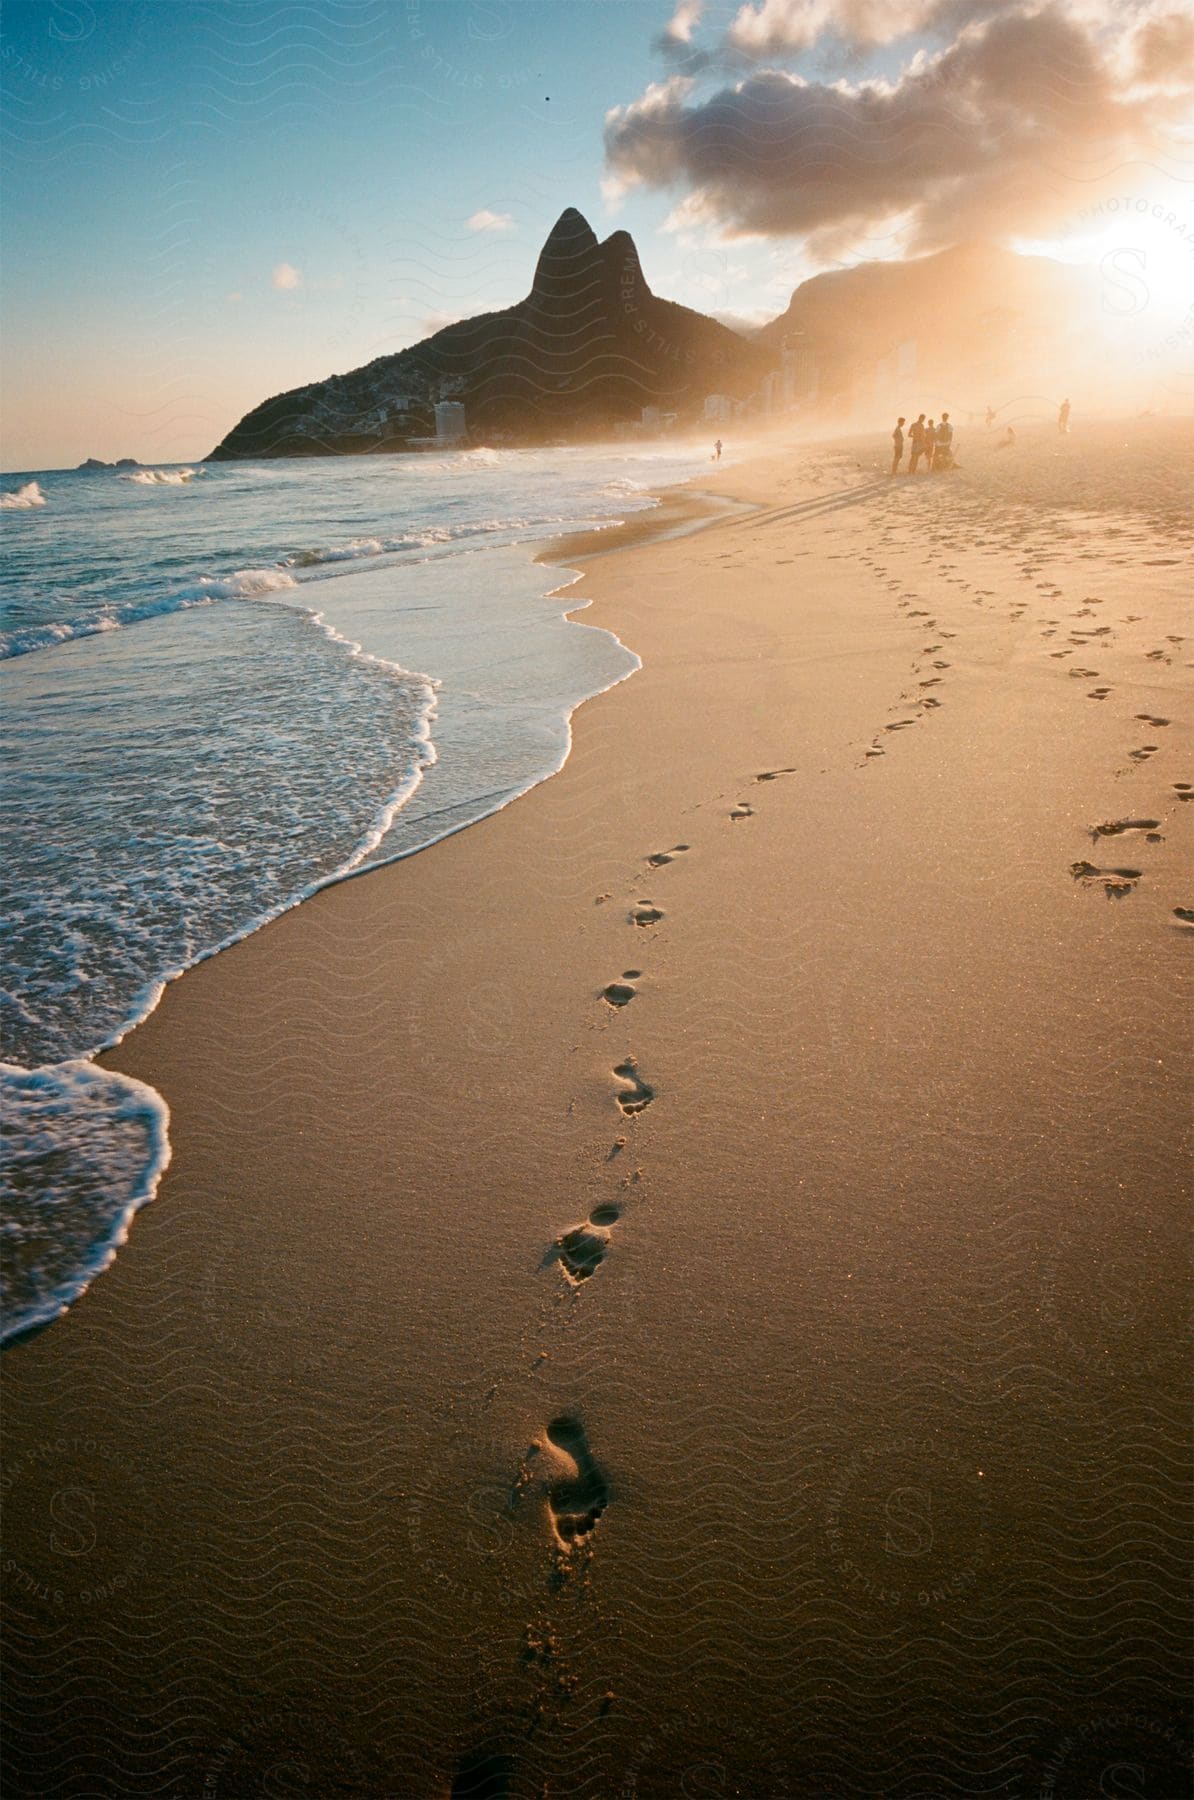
[
  {"x": 490, "y": 221},
  {"x": 1009, "y": 128},
  {"x": 675, "y": 40},
  {"x": 1162, "y": 51},
  {"x": 286, "y": 278},
  {"x": 769, "y": 28},
  {"x": 683, "y": 22}
]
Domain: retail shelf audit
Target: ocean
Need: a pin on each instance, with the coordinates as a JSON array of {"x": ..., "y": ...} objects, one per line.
[{"x": 225, "y": 687}]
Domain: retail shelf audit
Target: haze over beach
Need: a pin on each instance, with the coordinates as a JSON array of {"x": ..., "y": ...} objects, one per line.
[{"x": 599, "y": 898}]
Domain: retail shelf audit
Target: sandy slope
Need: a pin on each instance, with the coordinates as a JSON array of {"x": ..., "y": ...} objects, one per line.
[{"x": 853, "y": 1463}]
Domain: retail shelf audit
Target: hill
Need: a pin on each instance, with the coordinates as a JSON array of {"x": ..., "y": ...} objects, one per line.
[
  {"x": 588, "y": 348},
  {"x": 969, "y": 315}
]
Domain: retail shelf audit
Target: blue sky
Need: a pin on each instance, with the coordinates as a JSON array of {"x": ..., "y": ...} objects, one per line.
[{"x": 162, "y": 163}]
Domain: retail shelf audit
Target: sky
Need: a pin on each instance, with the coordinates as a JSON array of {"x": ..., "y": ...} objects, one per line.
[{"x": 202, "y": 204}]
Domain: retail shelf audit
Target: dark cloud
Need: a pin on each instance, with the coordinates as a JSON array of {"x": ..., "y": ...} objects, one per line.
[{"x": 1005, "y": 131}]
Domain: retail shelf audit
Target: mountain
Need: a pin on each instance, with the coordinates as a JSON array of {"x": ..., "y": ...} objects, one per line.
[
  {"x": 974, "y": 312},
  {"x": 588, "y": 348}
]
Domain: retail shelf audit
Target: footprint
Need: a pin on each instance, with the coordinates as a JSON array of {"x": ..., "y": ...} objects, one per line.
[
  {"x": 637, "y": 1095},
  {"x": 1144, "y": 752},
  {"x": 645, "y": 913},
  {"x": 577, "y": 1501},
  {"x": 1151, "y": 719},
  {"x": 1116, "y": 827},
  {"x": 618, "y": 993},
  {"x": 774, "y": 774},
  {"x": 1098, "y": 693},
  {"x": 582, "y": 1249},
  {"x": 1185, "y": 914},
  {"x": 1115, "y": 882},
  {"x": 742, "y": 811},
  {"x": 1184, "y": 790},
  {"x": 899, "y": 725},
  {"x": 660, "y": 857}
]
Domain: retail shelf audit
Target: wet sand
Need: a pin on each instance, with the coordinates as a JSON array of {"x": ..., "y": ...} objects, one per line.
[{"x": 683, "y": 1288}]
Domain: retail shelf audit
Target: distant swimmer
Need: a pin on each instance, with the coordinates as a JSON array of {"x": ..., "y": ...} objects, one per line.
[
  {"x": 916, "y": 443},
  {"x": 717, "y": 451},
  {"x": 990, "y": 417},
  {"x": 1007, "y": 442},
  {"x": 897, "y": 446},
  {"x": 1063, "y": 417}
]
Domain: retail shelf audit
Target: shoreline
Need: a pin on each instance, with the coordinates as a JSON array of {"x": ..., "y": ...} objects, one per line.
[
  {"x": 675, "y": 510},
  {"x": 517, "y": 1368}
]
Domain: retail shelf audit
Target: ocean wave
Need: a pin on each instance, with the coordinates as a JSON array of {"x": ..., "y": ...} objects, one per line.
[
  {"x": 246, "y": 584},
  {"x": 249, "y": 584},
  {"x": 85, "y": 1151},
  {"x": 333, "y": 553},
  {"x": 19, "y": 499},
  {"x": 160, "y": 477}
]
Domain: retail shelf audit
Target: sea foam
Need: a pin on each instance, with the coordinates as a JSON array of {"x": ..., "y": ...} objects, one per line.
[
  {"x": 85, "y": 1150},
  {"x": 19, "y": 499},
  {"x": 159, "y": 477}
]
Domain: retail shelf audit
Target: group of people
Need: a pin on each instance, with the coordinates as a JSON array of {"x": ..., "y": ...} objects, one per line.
[{"x": 932, "y": 443}]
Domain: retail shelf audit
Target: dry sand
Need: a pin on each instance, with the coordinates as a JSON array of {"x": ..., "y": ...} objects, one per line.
[{"x": 850, "y": 1458}]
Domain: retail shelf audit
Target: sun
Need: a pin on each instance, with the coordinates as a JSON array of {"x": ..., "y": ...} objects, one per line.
[{"x": 1142, "y": 250}]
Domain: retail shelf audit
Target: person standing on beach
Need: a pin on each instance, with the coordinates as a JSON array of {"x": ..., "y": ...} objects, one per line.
[
  {"x": 916, "y": 443},
  {"x": 717, "y": 451},
  {"x": 897, "y": 446},
  {"x": 930, "y": 446},
  {"x": 990, "y": 417},
  {"x": 1063, "y": 417},
  {"x": 943, "y": 452}
]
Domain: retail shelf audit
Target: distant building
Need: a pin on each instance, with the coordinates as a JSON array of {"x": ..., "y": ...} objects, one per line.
[
  {"x": 449, "y": 421},
  {"x": 799, "y": 372},
  {"x": 718, "y": 408},
  {"x": 771, "y": 393}
]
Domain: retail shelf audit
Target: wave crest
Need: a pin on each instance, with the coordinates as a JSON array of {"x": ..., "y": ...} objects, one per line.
[
  {"x": 18, "y": 499},
  {"x": 159, "y": 477}
]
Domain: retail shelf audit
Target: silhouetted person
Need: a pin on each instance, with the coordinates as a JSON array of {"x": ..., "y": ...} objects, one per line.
[
  {"x": 897, "y": 446},
  {"x": 916, "y": 443},
  {"x": 990, "y": 417},
  {"x": 943, "y": 450},
  {"x": 1063, "y": 417},
  {"x": 717, "y": 451},
  {"x": 930, "y": 445}
]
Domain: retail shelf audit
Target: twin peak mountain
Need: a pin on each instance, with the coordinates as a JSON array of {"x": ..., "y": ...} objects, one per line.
[{"x": 588, "y": 348}]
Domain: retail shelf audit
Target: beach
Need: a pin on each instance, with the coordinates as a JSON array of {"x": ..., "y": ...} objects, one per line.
[{"x": 681, "y": 1288}]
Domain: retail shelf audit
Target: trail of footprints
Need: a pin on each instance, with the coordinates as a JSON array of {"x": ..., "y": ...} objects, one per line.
[
  {"x": 578, "y": 1494},
  {"x": 1115, "y": 881}
]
